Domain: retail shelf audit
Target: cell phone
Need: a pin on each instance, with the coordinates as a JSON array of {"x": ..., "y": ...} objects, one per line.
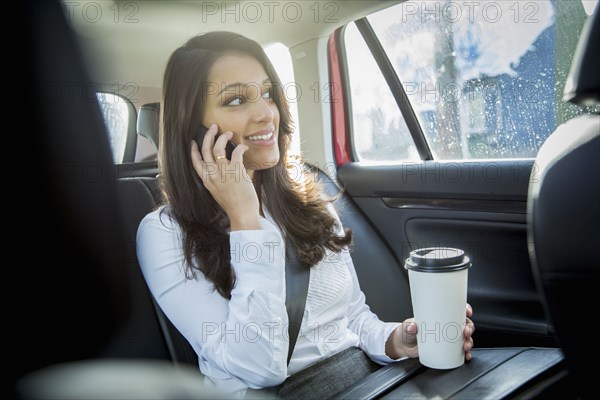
[{"x": 228, "y": 147}]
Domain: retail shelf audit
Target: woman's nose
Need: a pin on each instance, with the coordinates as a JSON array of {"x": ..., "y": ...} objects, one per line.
[{"x": 263, "y": 110}]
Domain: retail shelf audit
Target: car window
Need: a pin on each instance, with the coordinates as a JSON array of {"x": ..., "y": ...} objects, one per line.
[
  {"x": 280, "y": 57},
  {"x": 485, "y": 79},
  {"x": 379, "y": 131},
  {"x": 116, "y": 113}
]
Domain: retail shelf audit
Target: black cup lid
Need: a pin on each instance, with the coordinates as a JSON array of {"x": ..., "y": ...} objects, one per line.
[{"x": 437, "y": 259}]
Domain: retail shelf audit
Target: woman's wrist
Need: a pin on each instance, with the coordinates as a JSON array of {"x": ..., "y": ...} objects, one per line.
[
  {"x": 393, "y": 344},
  {"x": 245, "y": 223},
  {"x": 403, "y": 341}
]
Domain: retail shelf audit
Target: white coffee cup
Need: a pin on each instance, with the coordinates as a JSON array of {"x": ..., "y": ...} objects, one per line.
[{"x": 438, "y": 288}]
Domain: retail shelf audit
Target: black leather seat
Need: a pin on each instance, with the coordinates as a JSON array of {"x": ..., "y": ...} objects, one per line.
[
  {"x": 564, "y": 217},
  {"x": 141, "y": 196}
]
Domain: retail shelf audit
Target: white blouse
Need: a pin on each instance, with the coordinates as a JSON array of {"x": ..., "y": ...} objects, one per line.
[{"x": 243, "y": 342}]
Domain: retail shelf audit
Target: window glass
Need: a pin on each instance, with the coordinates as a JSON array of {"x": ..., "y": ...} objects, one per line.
[
  {"x": 379, "y": 133},
  {"x": 116, "y": 117},
  {"x": 485, "y": 78},
  {"x": 281, "y": 59}
]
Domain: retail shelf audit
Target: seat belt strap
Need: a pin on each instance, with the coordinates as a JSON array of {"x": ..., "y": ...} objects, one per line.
[{"x": 297, "y": 277}]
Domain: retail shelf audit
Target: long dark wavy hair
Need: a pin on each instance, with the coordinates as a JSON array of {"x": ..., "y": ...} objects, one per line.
[{"x": 297, "y": 206}]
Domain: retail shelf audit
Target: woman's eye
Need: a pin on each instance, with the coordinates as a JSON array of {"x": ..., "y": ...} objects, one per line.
[
  {"x": 236, "y": 101},
  {"x": 267, "y": 94}
]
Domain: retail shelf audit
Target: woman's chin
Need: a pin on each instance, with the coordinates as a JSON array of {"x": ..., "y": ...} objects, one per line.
[{"x": 263, "y": 163}]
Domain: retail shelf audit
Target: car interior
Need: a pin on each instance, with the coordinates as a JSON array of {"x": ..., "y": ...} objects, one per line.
[{"x": 530, "y": 223}]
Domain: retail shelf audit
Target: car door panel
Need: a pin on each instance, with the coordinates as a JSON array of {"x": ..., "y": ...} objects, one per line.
[{"x": 479, "y": 207}]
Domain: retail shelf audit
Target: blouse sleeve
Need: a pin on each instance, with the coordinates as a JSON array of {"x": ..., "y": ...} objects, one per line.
[
  {"x": 244, "y": 337},
  {"x": 371, "y": 331}
]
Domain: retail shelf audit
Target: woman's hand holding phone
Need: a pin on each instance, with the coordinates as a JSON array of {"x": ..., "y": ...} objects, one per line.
[
  {"x": 229, "y": 147},
  {"x": 227, "y": 180}
]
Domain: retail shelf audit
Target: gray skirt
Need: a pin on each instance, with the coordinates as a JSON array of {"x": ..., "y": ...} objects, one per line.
[{"x": 324, "y": 379}]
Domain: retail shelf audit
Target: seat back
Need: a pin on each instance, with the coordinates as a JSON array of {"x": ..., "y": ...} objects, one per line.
[
  {"x": 564, "y": 216},
  {"x": 142, "y": 336},
  {"x": 72, "y": 273},
  {"x": 380, "y": 273},
  {"x": 154, "y": 334},
  {"x": 87, "y": 220},
  {"x": 79, "y": 303}
]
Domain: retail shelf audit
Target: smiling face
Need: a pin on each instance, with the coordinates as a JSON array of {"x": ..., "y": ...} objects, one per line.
[{"x": 239, "y": 98}]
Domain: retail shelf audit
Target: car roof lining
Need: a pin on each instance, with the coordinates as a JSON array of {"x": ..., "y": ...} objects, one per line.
[{"x": 138, "y": 51}]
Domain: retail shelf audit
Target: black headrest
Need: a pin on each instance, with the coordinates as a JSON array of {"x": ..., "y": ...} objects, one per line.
[
  {"x": 148, "y": 122},
  {"x": 583, "y": 83}
]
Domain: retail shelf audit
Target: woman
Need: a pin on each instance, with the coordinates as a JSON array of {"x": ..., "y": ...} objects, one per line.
[{"x": 214, "y": 255}]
